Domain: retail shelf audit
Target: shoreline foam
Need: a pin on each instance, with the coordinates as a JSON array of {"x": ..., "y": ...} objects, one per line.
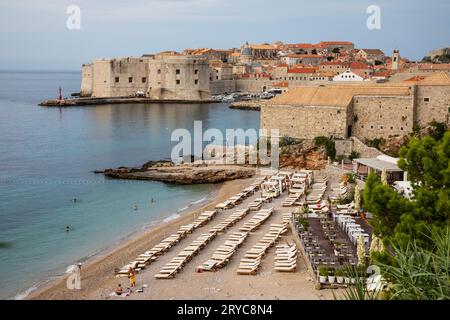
[
  {"x": 48, "y": 281},
  {"x": 118, "y": 253}
]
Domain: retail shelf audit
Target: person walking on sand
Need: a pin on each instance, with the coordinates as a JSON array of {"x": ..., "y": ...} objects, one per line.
[{"x": 132, "y": 277}]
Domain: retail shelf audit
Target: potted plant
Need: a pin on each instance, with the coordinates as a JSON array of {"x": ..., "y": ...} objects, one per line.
[
  {"x": 346, "y": 277},
  {"x": 331, "y": 276},
  {"x": 339, "y": 275},
  {"x": 323, "y": 273},
  {"x": 361, "y": 273}
]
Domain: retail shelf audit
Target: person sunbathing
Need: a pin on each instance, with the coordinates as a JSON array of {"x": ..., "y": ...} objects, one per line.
[{"x": 119, "y": 290}]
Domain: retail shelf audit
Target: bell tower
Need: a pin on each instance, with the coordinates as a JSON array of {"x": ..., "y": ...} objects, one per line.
[{"x": 395, "y": 60}]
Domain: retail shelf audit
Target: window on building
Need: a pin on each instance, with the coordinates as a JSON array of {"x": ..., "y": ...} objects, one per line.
[
  {"x": 196, "y": 81},
  {"x": 117, "y": 79},
  {"x": 401, "y": 128},
  {"x": 371, "y": 127},
  {"x": 217, "y": 77},
  {"x": 392, "y": 128},
  {"x": 426, "y": 99},
  {"x": 178, "y": 81},
  {"x": 177, "y": 71},
  {"x": 144, "y": 79},
  {"x": 196, "y": 71},
  {"x": 159, "y": 71},
  {"x": 130, "y": 79}
]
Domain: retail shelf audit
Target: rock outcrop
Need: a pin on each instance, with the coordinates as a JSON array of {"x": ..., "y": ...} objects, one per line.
[
  {"x": 305, "y": 155},
  {"x": 166, "y": 171}
]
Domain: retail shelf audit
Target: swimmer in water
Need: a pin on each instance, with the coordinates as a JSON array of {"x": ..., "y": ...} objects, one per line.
[
  {"x": 74, "y": 199},
  {"x": 153, "y": 200},
  {"x": 135, "y": 207},
  {"x": 67, "y": 228}
]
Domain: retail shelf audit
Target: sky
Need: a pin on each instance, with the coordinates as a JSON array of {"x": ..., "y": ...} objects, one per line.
[{"x": 34, "y": 33}]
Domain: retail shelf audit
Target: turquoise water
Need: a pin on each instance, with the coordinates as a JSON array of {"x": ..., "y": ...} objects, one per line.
[{"x": 47, "y": 156}]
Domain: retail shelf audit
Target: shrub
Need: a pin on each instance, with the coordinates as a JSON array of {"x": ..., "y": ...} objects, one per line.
[
  {"x": 438, "y": 129},
  {"x": 303, "y": 222},
  {"x": 353, "y": 155},
  {"x": 289, "y": 141},
  {"x": 323, "y": 271},
  {"x": 419, "y": 273},
  {"x": 328, "y": 144},
  {"x": 339, "y": 272},
  {"x": 347, "y": 199},
  {"x": 375, "y": 143},
  {"x": 351, "y": 177}
]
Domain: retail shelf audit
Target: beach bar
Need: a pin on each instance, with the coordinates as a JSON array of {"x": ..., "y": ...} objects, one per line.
[{"x": 363, "y": 166}]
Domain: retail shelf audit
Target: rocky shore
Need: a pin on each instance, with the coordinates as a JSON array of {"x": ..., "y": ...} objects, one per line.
[{"x": 169, "y": 172}]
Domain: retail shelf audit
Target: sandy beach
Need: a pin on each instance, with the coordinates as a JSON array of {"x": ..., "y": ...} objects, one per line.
[{"x": 99, "y": 281}]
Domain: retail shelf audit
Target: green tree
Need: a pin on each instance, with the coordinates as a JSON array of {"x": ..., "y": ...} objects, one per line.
[{"x": 401, "y": 220}]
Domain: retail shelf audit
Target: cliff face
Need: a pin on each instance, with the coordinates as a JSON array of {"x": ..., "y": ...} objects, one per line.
[{"x": 303, "y": 155}]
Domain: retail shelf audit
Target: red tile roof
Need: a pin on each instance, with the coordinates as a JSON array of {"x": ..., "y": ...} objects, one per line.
[
  {"x": 336, "y": 42},
  {"x": 302, "y": 70},
  {"x": 333, "y": 63},
  {"x": 358, "y": 65},
  {"x": 303, "y": 56}
]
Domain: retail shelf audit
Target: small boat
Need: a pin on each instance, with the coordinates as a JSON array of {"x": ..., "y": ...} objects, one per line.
[{"x": 228, "y": 99}]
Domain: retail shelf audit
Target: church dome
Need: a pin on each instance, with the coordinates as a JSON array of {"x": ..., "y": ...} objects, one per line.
[{"x": 247, "y": 51}]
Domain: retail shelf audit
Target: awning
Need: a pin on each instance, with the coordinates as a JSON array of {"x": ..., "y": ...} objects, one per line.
[{"x": 378, "y": 164}]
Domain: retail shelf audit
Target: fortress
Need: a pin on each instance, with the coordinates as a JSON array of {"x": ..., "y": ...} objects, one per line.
[
  {"x": 369, "y": 110},
  {"x": 166, "y": 76}
]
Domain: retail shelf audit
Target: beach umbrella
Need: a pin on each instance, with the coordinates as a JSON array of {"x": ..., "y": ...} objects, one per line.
[
  {"x": 357, "y": 198},
  {"x": 384, "y": 177},
  {"x": 361, "y": 250}
]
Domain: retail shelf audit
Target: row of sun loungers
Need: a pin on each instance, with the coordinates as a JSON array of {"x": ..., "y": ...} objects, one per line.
[
  {"x": 346, "y": 209},
  {"x": 198, "y": 244},
  {"x": 224, "y": 252},
  {"x": 257, "y": 220},
  {"x": 286, "y": 258},
  {"x": 291, "y": 200},
  {"x": 184, "y": 256},
  {"x": 237, "y": 199},
  {"x": 147, "y": 257},
  {"x": 339, "y": 191},
  {"x": 250, "y": 263},
  {"x": 230, "y": 220},
  {"x": 317, "y": 190}
]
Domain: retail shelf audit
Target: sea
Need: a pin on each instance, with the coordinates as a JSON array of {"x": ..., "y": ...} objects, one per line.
[{"x": 47, "y": 182}]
